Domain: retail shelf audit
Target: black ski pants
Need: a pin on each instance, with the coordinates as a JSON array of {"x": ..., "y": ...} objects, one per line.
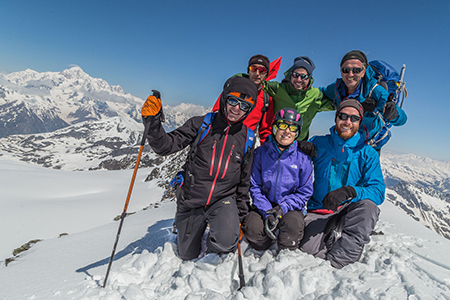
[
  {"x": 223, "y": 220},
  {"x": 290, "y": 233},
  {"x": 340, "y": 237}
]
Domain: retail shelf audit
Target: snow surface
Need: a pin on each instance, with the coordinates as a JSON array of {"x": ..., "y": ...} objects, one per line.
[{"x": 407, "y": 262}]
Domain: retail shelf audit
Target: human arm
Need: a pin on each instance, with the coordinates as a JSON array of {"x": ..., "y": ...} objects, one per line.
[
  {"x": 257, "y": 190},
  {"x": 371, "y": 185},
  {"x": 299, "y": 197},
  {"x": 242, "y": 191},
  {"x": 394, "y": 114},
  {"x": 161, "y": 142},
  {"x": 265, "y": 128}
]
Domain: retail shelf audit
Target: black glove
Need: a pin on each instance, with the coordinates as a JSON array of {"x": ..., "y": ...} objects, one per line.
[
  {"x": 369, "y": 104},
  {"x": 156, "y": 93},
  {"x": 270, "y": 224},
  {"x": 333, "y": 199},
  {"x": 271, "y": 221},
  {"x": 307, "y": 147},
  {"x": 390, "y": 110}
]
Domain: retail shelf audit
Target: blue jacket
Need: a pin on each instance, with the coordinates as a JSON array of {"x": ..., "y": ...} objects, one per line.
[
  {"x": 349, "y": 162},
  {"x": 371, "y": 124},
  {"x": 283, "y": 179}
]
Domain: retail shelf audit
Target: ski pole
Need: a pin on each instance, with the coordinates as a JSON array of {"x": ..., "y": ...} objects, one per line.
[
  {"x": 402, "y": 88},
  {"x": 241, "y": 269},
  {"x": 124, "y": 213}
]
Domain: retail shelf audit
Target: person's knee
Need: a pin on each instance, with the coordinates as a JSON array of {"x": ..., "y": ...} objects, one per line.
[{"x": 291, "y": 230}]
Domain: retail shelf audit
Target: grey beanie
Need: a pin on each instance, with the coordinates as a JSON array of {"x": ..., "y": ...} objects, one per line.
[
  {"x": 303, "y": 62},
  {"x": 351, "y": 103}
]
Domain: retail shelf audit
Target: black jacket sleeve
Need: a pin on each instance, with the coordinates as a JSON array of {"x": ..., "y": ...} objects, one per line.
[
  {"x": 167, "y": 143},
  {"x": 243, "y": 188}
]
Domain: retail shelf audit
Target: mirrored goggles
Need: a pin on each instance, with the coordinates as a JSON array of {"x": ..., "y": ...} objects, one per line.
[
  {"x": 244, "y": 106},
  {"x": 302, "y": 76},
  {"x": 354, "y": 70},
  {"x": 261, "y": 70},
  {"x": 283, "y": 126},
  {"x": 344, "y": 117}
]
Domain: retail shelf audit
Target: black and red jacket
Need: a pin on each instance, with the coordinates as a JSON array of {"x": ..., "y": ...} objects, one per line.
[{"x": 219, "y": 168}]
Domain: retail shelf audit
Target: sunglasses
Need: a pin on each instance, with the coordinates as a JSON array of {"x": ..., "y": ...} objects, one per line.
[
  {"x": 354, "y": 70},
  {"x": 233, "y": 101},
  {"x": 283, "y": 126},
  {"x": 261, "y": 70},
  {"x": 302, "y": 76},
  {"x": 344, "y": 117}
]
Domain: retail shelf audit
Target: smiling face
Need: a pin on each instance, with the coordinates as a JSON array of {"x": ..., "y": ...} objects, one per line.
[
  {"x": 234, "y": 113},
  {"x": 285, "y": 137},
  {"x": 346, "y": 128},
  {"x": 351, "y": 79},
  {"x": 299, "y": 83}
]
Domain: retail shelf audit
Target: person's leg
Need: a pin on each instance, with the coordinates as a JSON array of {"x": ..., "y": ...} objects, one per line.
[
  {"x": 313, "y": 235},
  {"x": 223, "y": 220},
  {"x": 356, "y": 224},
  {"x": 291, "y": 228},
  {"x": 255, "y": 234},
  {"x": 190, "y": 228}
]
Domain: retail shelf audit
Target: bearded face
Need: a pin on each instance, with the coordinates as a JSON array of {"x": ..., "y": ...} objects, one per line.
[{"x": 346, "y": 128}]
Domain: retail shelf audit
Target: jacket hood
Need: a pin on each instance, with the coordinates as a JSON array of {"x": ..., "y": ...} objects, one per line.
[{"x": 240, "y": 85}]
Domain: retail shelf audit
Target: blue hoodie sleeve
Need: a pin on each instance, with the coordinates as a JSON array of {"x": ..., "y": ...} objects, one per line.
[
  {"x": 373, "y": 186},
  {"x": 298, "y": 199},
  {"x": 328, "y": 92},
  {"x": 260, "y": 201},
  {"x": 401, "y": 118}
]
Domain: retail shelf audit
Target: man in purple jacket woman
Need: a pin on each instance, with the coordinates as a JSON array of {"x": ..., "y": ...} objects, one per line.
[{"x": 281, "y": 184}]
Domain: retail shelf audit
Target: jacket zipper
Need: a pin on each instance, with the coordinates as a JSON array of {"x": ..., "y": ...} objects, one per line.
[
  {"x": 212, "y": 159},
  {"x": 228, "y": 160},
  {"x": 218, "y": 167}
]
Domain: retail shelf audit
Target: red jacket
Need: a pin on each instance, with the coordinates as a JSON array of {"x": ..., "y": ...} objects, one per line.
[{"x": 256, "y": 114}]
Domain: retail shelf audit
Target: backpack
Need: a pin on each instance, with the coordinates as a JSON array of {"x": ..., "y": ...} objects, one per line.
[
  {"x": 392, "y": 81},
  {"x": 178, "y": 180}
]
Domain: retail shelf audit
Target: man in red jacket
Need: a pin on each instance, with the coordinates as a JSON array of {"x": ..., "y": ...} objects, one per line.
[{"x": 259, "y": 70}]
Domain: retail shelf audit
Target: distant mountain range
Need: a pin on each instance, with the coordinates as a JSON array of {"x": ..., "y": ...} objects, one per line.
[{"x": 71, "y": 121}]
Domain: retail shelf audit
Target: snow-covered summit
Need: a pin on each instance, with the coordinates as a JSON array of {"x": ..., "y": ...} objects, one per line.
[{"x": 33, "y": 102}]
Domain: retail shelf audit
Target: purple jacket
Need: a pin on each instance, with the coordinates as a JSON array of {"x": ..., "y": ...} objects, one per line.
[{"x": 280, "y": 179}]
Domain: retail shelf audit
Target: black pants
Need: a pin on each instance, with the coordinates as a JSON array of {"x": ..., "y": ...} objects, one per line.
[
  {"x": 223, "y": 221},
  {"x": 290, "y": 227}
]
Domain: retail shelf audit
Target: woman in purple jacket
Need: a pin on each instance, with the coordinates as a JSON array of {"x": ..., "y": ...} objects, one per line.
[{"x": 281, "y": 184}]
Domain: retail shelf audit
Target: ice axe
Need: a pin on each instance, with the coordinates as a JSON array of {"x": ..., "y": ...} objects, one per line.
[
  {"x": 124, "y": 213},
  {"x": 241, "y": 269}
]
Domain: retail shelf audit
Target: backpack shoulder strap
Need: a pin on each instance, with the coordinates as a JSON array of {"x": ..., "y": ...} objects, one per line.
[
  {"x": 266, "y": 102},
  {"x": 250, "y": 140}
]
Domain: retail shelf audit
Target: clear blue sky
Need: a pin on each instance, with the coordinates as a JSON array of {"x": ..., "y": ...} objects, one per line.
[{"x": 187, "y": 49}]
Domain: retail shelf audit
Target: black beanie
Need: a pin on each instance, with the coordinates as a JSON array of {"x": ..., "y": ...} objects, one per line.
[
  {"x": 241, "y": 85},
  {"x": 355, "y": 54},
  {"x": 259, "y": 59}
]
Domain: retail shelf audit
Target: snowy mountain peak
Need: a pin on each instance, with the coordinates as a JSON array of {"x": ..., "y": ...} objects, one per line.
[{"x": 33, "y": 102}]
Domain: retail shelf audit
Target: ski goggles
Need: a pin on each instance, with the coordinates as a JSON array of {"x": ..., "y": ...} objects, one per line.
[
  {"x": 243, "y": 104},
  {"x": 283, "y": 126},
  {"x": 344, "y": 117},
  {"x": 261, "y": 70},
  {"x": 302, "y": 76},
  {"x": 354, "y": 70}
]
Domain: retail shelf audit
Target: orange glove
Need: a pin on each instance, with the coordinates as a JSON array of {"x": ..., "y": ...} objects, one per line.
[{"x": 152, "y": 106}]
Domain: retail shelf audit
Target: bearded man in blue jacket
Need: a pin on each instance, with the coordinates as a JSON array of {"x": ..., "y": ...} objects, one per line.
[{"x": 348, "y": 187}]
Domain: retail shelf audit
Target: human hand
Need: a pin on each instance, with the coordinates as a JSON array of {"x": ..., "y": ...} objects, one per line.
[{"x": 333, "y": 199}]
